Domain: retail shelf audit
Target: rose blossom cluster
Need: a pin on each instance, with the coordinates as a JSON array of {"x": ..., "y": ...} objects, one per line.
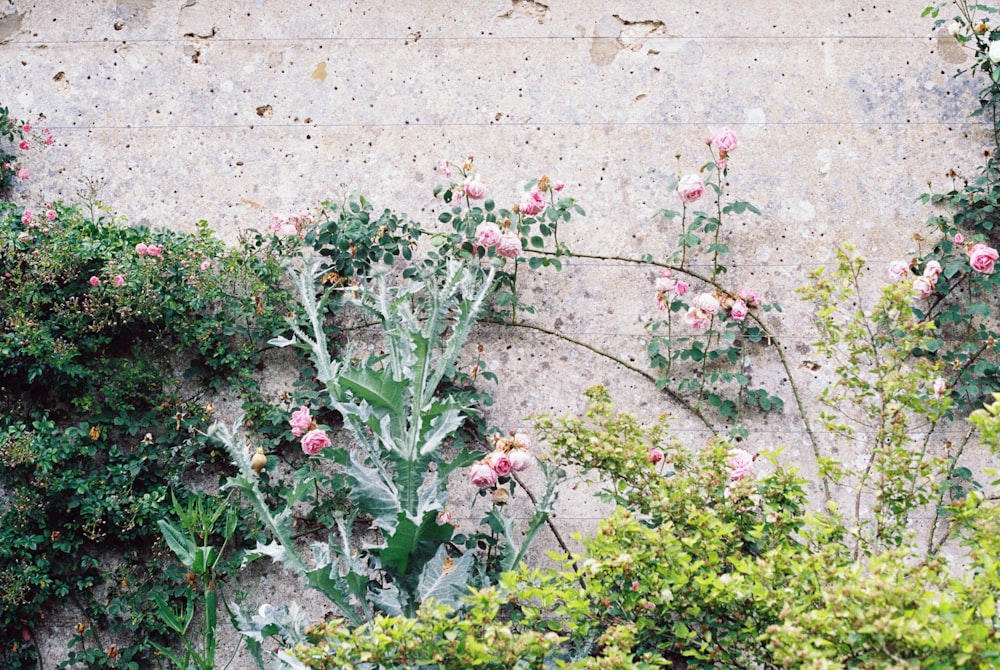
[
  {"x": 706, "y": 305},
  {"x": 665, "y": 285},
  {"x": 506, "y": 242},
  {"x": 923, "y": 285},
  {"x": 510, "y": 454},
  {"x": 154, "y": 250},
  {"x": 313, "y": 439},
  {"x": 292, "y": 225}
]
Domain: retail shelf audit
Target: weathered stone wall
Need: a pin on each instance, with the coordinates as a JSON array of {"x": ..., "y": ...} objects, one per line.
[{"x": 232, "y": 111}]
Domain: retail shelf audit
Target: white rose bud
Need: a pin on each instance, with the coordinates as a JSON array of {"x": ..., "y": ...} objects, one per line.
[
  {"x": 995, "y": 51},
  {"x": 955, "y": 28}
]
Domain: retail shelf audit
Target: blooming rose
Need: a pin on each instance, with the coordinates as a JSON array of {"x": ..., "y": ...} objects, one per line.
[
  {"x": 482, "y": 475},
  {"x": 474, "y": 188},
  {"x": 119, "y": 280},
  {"x": 739, "y": 310},
  {"x": 682, "y": 287},
  {"x": 94, "y": 281},
  {"x": 697, "y": 318},
  {"x": 23, "y": 174},
  {"x": 558, "y": 186},
  {"x": 26, "y": 128},
  {"x": 665, "y": 283},
  {"x": 923, "y": 287},
  {"x": 50, "y": 214},
  {"x": 898, "y": 270},
  {"x": 23, "y": 145},
  {"x": 154, "y": 250},
  {"x": 488, "y": 234},
  {"x": 932, "y": 270},
  {"x": 315, "y": 441},
  {"x": 724, "y": 140},
  {"x": 994, "y": 51},
  {"x": 982, "y": 257},
  {"x": 301, "y": 421},
  {"x": 500, "y": 463},
  {"x": 690, "y": 188},
  {"x": 959, "y": 238},
  {"x": 444, "y": 517},
  {"x": 445, "y": 168},
  {"x": 520, "y": 459},
  {"x": 141, "y": 249},
  {"x": 26, "y": 217},
  {"x": 740, "y": 464},
  {"x": 521, "y": 441},
  {"x": 707, "y": 303},
  {"x": 205, "y": 264},
  {"x": 655, "y": 455},
  {"x": 532, "y": 203},
  {"x": 509, "y": 245}
]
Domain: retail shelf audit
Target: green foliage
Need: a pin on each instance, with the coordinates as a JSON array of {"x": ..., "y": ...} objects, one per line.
[
  {"x": 703, "y": 368},
  {"x": 101, "y": 408}
]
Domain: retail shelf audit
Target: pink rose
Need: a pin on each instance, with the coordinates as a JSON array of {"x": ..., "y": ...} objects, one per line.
[
  {"x": 520, "y": 459},
  {"x": 750, "y": 296},
  {"x": 444, "y": 167},
  {"x": 50, "y": 214},
  {"x": 26, "y": 128},
  {"x": 959, "y": 238},
  {"x": 690, "y": 188},
  {"x": 141, "y": 249},
  {"x": 94, "y": 281},
  {"x": 488, "y": 234},
  {"x": 740, "y": 464},
  {"x": 154, "y": 250},
  {"x": 932, "y": 270},
  {"x": 707, "y": 303},
  {"x": 444, "y": 517},
  {"x": 982, "y": 258},
  {"x": 482, "y": 475},
  {"x": 205, "y": 264},
  {"x": 682, "y": 287},
  {"x": 655, "y": 455},
  {"x": 898, "y": 270},
  {"x": 315, "y": 441},
  {"x": 23, "y": 145},
  {"x": 509, "y": 245},
  {"x": 665, "y": 283},
  {"x": 521, "y": 441},
  {"x": 739, "y": 310},
  {"x": 500, "y": 463},
  {"x": 558, "y": 186},
  {"x": 923, "y": 287},
  {"x": 474, "y": 188},
  {"x": 26, "y": 217},
  {"x": 532, "y": 203},
  {"x": 119, "y": 280},
  {"x": 724, "y": 140},
  {"x": 23, "y": 174},
  {"x": 697, "y": 318},
  {"x": 48, "y": 140},
  {"x": 301, "y": 421}
]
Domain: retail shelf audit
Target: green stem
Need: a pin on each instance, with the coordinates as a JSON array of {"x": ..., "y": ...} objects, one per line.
[{"x": 673, "y": 395}]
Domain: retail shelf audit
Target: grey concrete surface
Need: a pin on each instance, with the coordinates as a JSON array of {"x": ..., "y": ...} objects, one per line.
[{"x": 231, "y": 111}]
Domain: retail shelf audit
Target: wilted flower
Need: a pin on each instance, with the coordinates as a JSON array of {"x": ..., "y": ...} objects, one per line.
[
  {"x": 697, "y": 319},
  {"x": 707, "y": 303},
  {"x": 898, "y": 270}
]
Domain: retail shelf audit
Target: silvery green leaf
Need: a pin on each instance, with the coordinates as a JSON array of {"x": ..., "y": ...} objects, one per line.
[
  {"x": 444, "y": 579},
  {"x": 275, "y": 550},
  {"x": 281, "y": 341},
  {"x": 373, "y": 493},
  {"x": 387, "y": 600}
]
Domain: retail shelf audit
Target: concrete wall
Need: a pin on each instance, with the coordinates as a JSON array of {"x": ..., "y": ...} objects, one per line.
[{"x": 231, "y": 111}]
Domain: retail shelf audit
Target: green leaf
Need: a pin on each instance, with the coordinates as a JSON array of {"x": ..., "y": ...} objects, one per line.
[{"x": 178, "y": 542}]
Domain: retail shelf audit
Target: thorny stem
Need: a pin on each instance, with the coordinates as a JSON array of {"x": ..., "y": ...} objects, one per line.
[
  {"x": 548, "y": 521},
  {"x": 771, "y": 340},
  {"x": 934, "y": 547},
  {"x": 674, "y": 396}
]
